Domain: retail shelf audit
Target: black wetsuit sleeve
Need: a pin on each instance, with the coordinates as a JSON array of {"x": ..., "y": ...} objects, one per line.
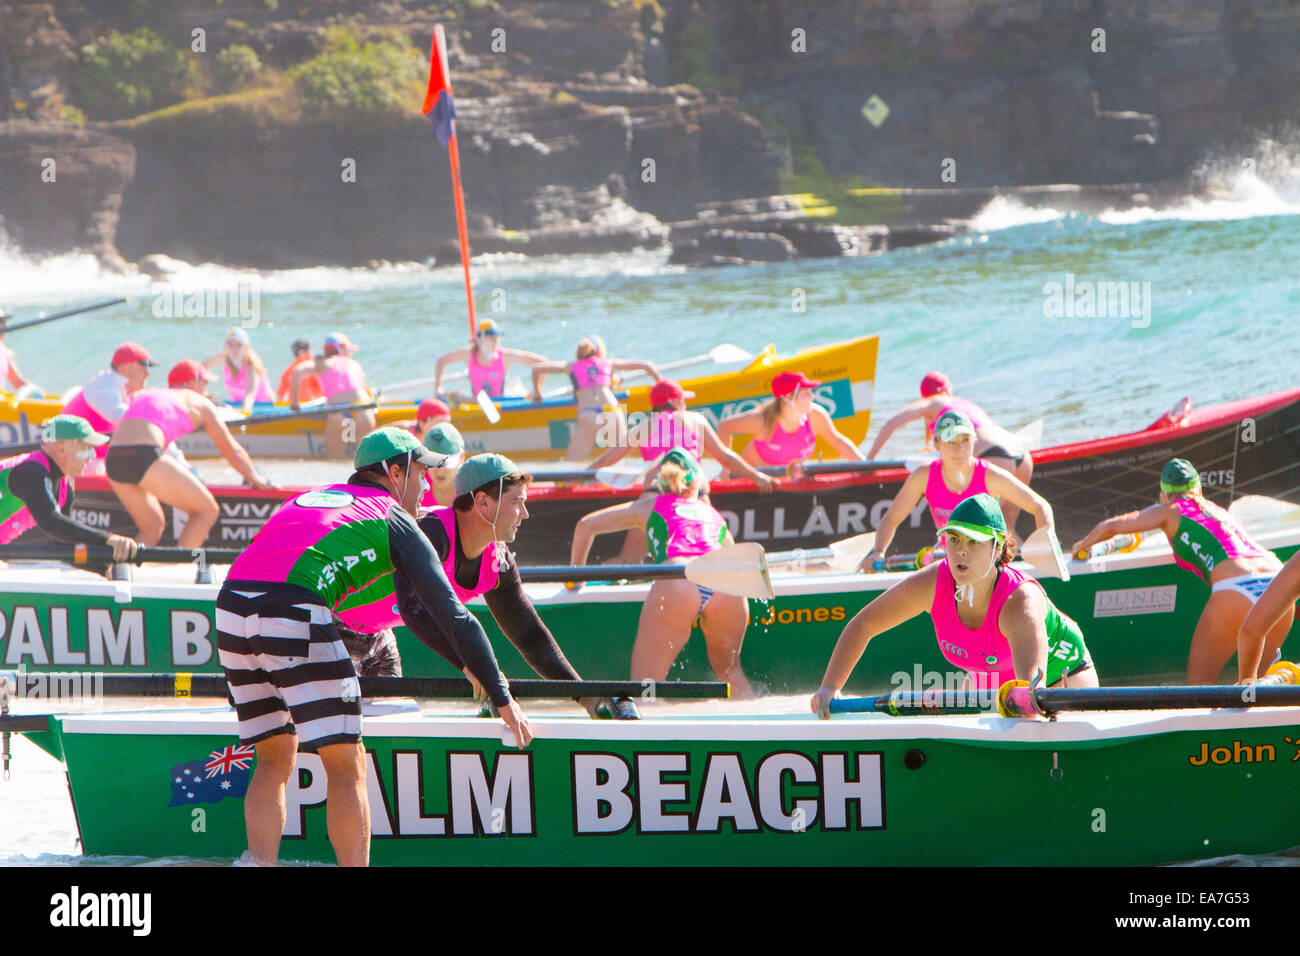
[
  {"x": 519, "y": 621},
  {"x": 418, "y": 566},
  {"x": 37, "y": 489}
]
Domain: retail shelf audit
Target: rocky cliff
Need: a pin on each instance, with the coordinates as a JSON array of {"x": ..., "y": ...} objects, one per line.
[{"x": 614, "y": 124}]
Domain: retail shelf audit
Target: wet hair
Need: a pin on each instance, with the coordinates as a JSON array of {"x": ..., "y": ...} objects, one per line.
[
  {"x": 671, "y": 478},
  {"x": 590, "y": 347},
  {"x": 465, "y": 502}
]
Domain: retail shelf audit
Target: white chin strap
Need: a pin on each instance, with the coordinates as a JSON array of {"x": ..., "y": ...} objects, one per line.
[{"x": 493, "y": 523}]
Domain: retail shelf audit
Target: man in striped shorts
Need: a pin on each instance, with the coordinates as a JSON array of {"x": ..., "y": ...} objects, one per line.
[{"x": 290, "y": 676}]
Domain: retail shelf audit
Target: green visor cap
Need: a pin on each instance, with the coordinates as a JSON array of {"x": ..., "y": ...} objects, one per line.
[
  {"x": 1179, "y": 475},
  {"x": 481, "y": 469},
  {"x": 951, "y": 424},
  {"x": 71, "y": 426},
  {"x": 385, "y": 443},
  {"x": 443, "y": 439},
  {"x": 685, "y": 460},
  {"x": 978, "y": 517}
]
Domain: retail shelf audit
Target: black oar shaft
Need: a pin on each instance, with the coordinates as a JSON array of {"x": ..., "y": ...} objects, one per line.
[
  {"x": 14, "y": 327},
  {"x": 51, "y": 685},
  {"x": 1174, "y": 698},
  {"x": 316, "y": 412},
  {"x": 102, "y": 554},
  {"x": 837, "y": 467},
  {"x": 24, "y": 723}
]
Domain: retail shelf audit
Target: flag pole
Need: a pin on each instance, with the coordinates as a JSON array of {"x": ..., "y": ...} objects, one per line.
[{"x": 438, "y": 98}]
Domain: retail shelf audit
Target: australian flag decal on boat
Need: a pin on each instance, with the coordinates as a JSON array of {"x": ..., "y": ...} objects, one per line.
[{"x": 224, "y": 773}]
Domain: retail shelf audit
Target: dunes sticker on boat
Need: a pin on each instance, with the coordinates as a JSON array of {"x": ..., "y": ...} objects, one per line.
[{"x": 324, "y": 499}]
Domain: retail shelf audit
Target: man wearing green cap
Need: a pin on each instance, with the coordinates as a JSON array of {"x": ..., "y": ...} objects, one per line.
[
  {"x": 290, "y": 677},
  {"x": 990, "y": 619},
  {"x": 471, "y": 539},
  {"x": 36, "y": 488},
  {"x": 1210, "y": 543}
]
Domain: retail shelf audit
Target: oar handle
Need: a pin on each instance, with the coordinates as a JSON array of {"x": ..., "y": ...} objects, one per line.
[
  {"x": 21, "y": 448},
  {"x": 908, "y": 562},
  {"x": 916, "y": 703},
  {"x": 63, "y": 315},
  {"x": 82, "y": 685},
  {"x": 102, "y": 554}
]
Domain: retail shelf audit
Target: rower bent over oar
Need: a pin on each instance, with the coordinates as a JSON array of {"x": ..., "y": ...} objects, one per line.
[{"x": 290, "y": 676}]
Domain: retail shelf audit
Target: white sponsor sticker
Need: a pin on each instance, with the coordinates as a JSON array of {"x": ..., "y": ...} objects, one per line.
[{"x": 1127, "y": 601}]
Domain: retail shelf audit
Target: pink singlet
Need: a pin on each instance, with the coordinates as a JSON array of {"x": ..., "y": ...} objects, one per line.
[
  {"x": 985, "y": 648},
  {"x": 14, "y": 522},
  {"x": 942, "y": 499},
  {"x": 591, "y": 373},
  {"x": 78, "y": 406},
  {"x": 784, "y": 447},
  {"x": 681, "y": 527},
  {"x": 237, "y": 385},
  {"x": 490, "y": 378},
  {"x": 667, "y": 431},
  {"x": 343, "y": 375},
  {"x": 161, "y": 407}
]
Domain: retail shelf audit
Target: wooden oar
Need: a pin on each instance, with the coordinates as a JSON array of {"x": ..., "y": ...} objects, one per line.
[
  {"x": 621, "y": 474},
  {"x": 739, "y": 569},
  {"x": 724, "y": 354},
  {"x": 842, "y": 557},
  {"x": 1260, "y": 511},
  {"x": 843, "y": 467},
  {"x": 43, "y": 318},
  {"x": 317, "y": 411},
  {"x": 1043, "y": 553},
  {"x": 84, "y": 685},
  {"x": 1277, "y": 689}
]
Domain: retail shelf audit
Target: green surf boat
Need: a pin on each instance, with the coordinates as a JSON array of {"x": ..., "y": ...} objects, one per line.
[{"x": 688, "y": 789}]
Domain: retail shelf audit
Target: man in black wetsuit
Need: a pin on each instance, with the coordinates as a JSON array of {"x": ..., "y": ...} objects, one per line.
[
  {"x": 36, "y": 488},
  {"x": 471, "y": 539}
]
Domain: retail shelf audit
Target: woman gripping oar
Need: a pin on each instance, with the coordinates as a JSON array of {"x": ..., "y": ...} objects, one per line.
[{"x": 990, "y": 620}]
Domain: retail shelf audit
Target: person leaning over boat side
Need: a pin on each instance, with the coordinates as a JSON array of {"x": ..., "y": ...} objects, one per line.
[
  {"x": 955, "y": 476},
  {"x": 12, "y": 380},
  {"x": 36, "y": 488},
  {"x": 990, "y": 620},
  {"x": 1210, "y": 543},
  {"x": 430, "y": 412},
  {"x": 243, "y": 370},
  {"x": 309, "y": 390},
  {"x": 487, "y": 362},
  {"x": 471, "y": 539},
  {"x": 672, "y": 426},
  {"x": 290, "y": 677},
  {"x": 105, "y": 398},
  {"x": 344, "y": 383},
  {"x": 145, "y": 478},
  {"x": 786, "y": 428},
  {"x": 678, "y": 526},
  {"x": 1275, "y": 607},
  {"x": 592, "y": 375},
  {"x": 992, "y": 442}
]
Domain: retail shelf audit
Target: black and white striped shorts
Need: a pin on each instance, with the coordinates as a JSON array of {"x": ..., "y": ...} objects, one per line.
[{"x": 286, "y": 665}]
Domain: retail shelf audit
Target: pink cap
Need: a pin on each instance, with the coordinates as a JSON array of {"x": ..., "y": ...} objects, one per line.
[
  {"x": 431, "y": 407},
  {"x": 667, "y": 390},
  {"x": 787, "y": 383},
  {"x": 186, "y": 371},
  {"x": 934, "y": 383},
  {"x": 129, "y": 352}
]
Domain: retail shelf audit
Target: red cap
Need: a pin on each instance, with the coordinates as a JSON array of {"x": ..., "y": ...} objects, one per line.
[
  {"x": 667, "y": 390},
  {"x": 430, "y": 408},
  {"x": 787, "y": 382},
  {"x": 129, "y": 352},
  {"x": 934, "y": 383},
  {"x": 186, "y": 371}
]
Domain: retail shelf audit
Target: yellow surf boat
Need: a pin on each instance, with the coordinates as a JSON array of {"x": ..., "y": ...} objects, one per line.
[{"x": 531, "y": 431}]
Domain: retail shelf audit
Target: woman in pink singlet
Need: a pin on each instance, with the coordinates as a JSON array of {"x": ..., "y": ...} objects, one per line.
[
  {"x": 145, "y": 478},
  {"x": 678, "y": 526},
  {"x": 993, "y": 443},
  {"x": 957, "y": 475},
  {"x": 344, "y": 383},
  {"x": 592, "y": 376},
  {"x": 990, "y": 620},
  {"x": 786, "y": 428},
  {"x": 243, "y": 371},
  {"x": 487, "y": 362}
]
